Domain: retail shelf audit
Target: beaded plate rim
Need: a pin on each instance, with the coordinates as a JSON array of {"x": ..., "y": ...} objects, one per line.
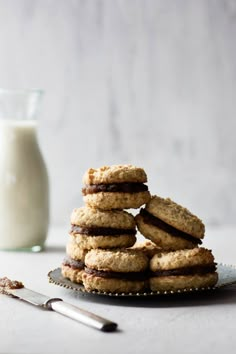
[{"x": 227, "y": 276}]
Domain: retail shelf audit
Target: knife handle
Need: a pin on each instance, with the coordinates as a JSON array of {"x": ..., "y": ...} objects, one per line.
[{"x": 80, "y": 315}]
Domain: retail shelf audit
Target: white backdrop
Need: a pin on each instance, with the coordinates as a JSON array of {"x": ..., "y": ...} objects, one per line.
[{"x": 148, "y": 82}]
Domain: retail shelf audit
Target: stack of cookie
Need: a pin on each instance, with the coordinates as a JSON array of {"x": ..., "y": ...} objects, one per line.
[
  {"x": 102, "y": 253},
  {"x": 101, "y": 234},
  {"x": 181, "y": 264}
]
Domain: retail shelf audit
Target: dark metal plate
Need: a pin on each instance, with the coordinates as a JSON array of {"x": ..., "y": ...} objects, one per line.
[{"x": 227, "y": 276}]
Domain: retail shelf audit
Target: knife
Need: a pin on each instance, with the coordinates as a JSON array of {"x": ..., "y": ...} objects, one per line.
[{"x": 17, "y": 290}]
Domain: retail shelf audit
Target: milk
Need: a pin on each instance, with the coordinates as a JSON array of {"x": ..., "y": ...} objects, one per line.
[{"x": 24, "y": 211}]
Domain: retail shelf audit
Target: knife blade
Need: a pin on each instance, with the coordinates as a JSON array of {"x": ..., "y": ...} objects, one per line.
[{"x": 17, "y": 290}]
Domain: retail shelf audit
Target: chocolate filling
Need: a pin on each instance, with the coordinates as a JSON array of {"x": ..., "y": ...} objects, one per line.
[
  {"x": 101, "y": 231},
  {"x": 141, "y": 276},
  {"x": 197, "y": 269},
  {"x": 72, "y": 263},
  {"x": 114, "y": 187},
  {"x": 7, "y": 284},
  {"x": 153, "y": 220}
]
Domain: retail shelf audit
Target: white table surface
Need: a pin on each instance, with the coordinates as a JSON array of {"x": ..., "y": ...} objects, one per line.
[{"x": 194, "y": 324}]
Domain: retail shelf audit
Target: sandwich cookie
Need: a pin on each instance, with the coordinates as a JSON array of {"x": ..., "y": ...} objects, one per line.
[
  {"x": 115, "y": 187},
  {"x": 73, "y": 264},
  {"x": 169, "y": 225},
  {"x": 115, "y": 271},
  {"x": 93, "y": 228},
  {"x": 183, "y": 269}
]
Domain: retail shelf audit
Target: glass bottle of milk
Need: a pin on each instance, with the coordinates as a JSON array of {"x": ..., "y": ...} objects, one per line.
[{"x": 24, "y": 190}]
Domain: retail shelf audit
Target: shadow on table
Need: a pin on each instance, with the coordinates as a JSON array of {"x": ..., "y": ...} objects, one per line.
[{"x": 224, "y": 296}]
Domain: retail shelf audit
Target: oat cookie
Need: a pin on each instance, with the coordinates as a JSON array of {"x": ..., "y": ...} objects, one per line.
[
  {"x": 74, "y": 275},
  {"x": 116, "y": 271},
  {"x": 91, "y": 217},
  {"x": 72, "y": 269},
  {"x": 176, "y": 215},
  {"x": 183, "y": 269},
  {"x": 115, "y": 187},
  {"x": 94, "y": 228},
  {"x": 147, "y": 247},
  {"x": 91, "y": 242},
  {"x": 74, "y": 251},
  {"x": 169, "y": 225},
  {"x": 173, "y": 283},
  {"x": 181, "y": 259},
  {"x": 115, "y": 174},
  {"x": 118, "y": 260}
]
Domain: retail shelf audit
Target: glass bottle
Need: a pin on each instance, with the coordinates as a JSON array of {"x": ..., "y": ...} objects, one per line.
[{"x": 24, "y": 189}]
